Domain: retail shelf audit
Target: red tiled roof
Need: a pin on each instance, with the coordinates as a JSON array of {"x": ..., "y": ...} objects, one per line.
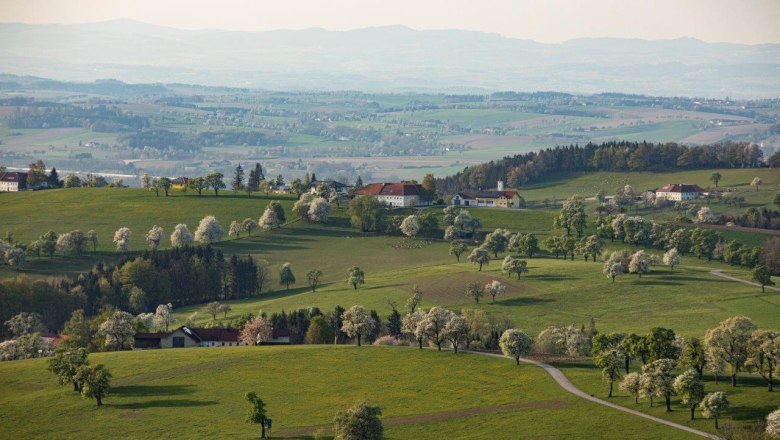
[
  {"x": 12, "y": 177},
  {"x": 216, "y": 334},
  {"x": 390, "y": 189},
  {"x": 680, "y": 188}
]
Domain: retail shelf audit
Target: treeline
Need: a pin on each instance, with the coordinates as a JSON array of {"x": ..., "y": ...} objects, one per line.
[
  {"x": 754, "y": 218},
  {"x": 98, "y": 118},
  {"x": 180, "y": 276},
  {"x": 160, "y": 138},
  {"x": 533, "y": 167}
]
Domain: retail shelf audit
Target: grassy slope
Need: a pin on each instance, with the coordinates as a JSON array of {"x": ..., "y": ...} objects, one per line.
[
  {"x": 197, "y": 393},
  {"x": 750, "y": 401}
]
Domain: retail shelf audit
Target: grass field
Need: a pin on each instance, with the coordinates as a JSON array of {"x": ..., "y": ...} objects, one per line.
[
  {"x": 750, "y": 400},
  {"x": 198, "y": 393}
]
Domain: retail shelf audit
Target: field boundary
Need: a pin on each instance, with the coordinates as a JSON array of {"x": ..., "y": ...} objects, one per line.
[{"x": 719, "y": 273}]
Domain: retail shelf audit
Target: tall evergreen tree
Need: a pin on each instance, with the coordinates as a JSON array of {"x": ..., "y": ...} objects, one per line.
[{"x": 238, "y": 179}]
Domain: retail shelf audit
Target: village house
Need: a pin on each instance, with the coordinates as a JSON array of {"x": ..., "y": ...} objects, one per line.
[
  {"x": 185, "y": 337},
  {"x": 337, "y": 187},
  {"x": 399, "y": 195},
  {"x": 13, "y": 181},
  {"x": 498, "y": 198},
  {"x": 679, "y": 191},
  {"x": 180, "y": 183}
]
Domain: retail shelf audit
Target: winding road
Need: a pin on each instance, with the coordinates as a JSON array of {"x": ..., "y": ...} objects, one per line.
[
  {"x": 719, "y": 273},
  {"x": 561, "y": 379}
]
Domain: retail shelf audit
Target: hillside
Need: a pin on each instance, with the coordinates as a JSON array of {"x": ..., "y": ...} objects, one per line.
[{"x": 423, "y": 394}]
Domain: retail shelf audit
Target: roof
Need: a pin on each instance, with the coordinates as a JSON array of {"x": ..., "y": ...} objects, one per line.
[
  {"x": 180, "y": 181},
  {"x": 197, "y": 334},
  {"x": 329, "y": 182},
  {"x": 13, "y": 176},
  {"x": 485, "y": 194},
  {"x": 680, "y": 188},
  {"x": 390, "y": 189},
  {"x": 151, "y": 336}
]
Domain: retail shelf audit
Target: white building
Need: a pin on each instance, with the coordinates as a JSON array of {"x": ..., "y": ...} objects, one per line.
[
  {"x": 399, "y": 195},
  {"x": 679, "y": 191},
  {"x": 13, "y": 181}
]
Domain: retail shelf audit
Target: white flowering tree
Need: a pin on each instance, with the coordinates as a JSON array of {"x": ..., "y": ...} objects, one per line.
[
  {"x": 512, "y": 265},
  {"x": 434, "y": 322},
  {"x": 302, "y": 206},
  {"x": 612, "y": 269},
  {"x": 15, "y": 257},
  {"x": 658, "y": 381},
  {"x": 118, "y": 331},
  {"x": 631, "y": 385},
  {"x": 357, "y": 323},
  {"x": 640, "y": 263},
  {"x": 756, "y": 182},
  {"x": 705, "y": 215},
  {"x": 410, "y": 226},
  {"x": 163, "y": 316},
  {"x": 319, "y": 210},
  {"x": 65, "y": 245},
  {"x": 690, "y": 389},
  {"x": 269, "y": 219},
  {"x": 713, "y": 406},
  {"x": 256, "y": 331},
  {"x": 413, "y": 325},
  {"x": 495, "y": 288},
  {"x": 479, "y": 256},
  {"x": 773, "y": 424},
  {"x": 729, "y": 343},
  {"x": 181, "y": 236},
  {"x": 249, "y": 225},
  {"x": 209, "y": 230},
  {"x": 515, "y": 344},
  {"x": 154, "y": 237},
  {"x": 235, "y": 229},
  {"x": 456, "y": 331},
  {"x": 672, "y": 258},
  {"x": 122, "y": 239}
]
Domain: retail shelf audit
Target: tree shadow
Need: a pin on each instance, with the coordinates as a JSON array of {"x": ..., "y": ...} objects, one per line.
[
  {"x": 550, "y": 277},
  {"x": 172, "y": 403},
  {"x": 646, "y": 282},
  {"x": 521, "y": 301},
  {"x": 152, "y": 390}
]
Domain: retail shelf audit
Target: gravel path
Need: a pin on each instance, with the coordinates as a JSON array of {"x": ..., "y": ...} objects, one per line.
[{"x": 719, "y": 273}]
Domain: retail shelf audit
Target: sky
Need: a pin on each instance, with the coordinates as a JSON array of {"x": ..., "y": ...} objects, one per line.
[{"x": 547, "y": 21}]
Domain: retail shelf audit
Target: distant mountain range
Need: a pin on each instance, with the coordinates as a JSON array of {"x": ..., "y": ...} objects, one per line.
[{"x": 392, "y": 58}]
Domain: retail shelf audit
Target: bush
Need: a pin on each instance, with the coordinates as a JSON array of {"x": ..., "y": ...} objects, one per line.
[{"x": 386, "y": 340}]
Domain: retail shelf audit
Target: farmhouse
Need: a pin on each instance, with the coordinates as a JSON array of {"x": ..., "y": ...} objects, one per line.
[
  {"x": 13, "y": 181},
  {"x": 179, "y": 183},
  {"x": 679, "y": 191},
  {"x": 184, "y": 337},
  {"x": 400, "y": 195},
  {"x": 498, "y": 198},
  {"x": 337, "y": 187}
]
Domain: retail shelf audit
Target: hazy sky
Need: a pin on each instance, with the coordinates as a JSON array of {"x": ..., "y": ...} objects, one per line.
[{"x": 552, "y": 21}]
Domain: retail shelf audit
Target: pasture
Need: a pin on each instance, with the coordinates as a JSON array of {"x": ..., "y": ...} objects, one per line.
[{"x": 198, "y": 393}]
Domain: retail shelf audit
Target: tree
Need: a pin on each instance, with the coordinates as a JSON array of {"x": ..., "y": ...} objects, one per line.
[
  {"x": 248, "y": 225},
  {"x": 256, "y": 331},
  {"x": 235, "y": 229},
  {"x": 529, "y": 245},
  {"x": 366, "y": 213},
  {"x": 456, "y": 331},
  {"x": 146, "y": 181},
  {"x": 313, "y": 278},
  {"x": 512, "y": 265},
  {"x": 661, "y": 343},
  {"x": 215, "y": 182},
  {"x": 572, "y": 216},
  {"x": 72, "y": 181},
  {"x": 238, "y": 179},
  {"x": 474, "y": 291},
  {"x": 410, "y": 226},
  {"x": 672, "y": 258},
  {"x": 776, "y": 200},
  {"x": 154, "y": 236},
  {"x": 122, "y": 239},
  {"x": 639, "y": 264},
  {"x": 762, "y": 276},
  {"x": 320, "y": 331},
  {"x": 428, "y": 185},
  {"x": 715, "y": 178},
  {"x": 479, "y": 256},
  {"x": 181, "y": 236},
  {"x": 77, "y": 331},
  {"x": 457, "y": 249},
  {"x": 713, "y": 405},
  {"x": 705, "y": 216},
  {"x": 612, "y": 269},
  {"x": 657, "y": 381},
  {"x": 413, "y": 324},
  {"x": 118, "y": 331},
  {"x": 631, "y": 384},
  {"x": 434, "y": 322},
  {"x": 198, "y": 184},
  {"x": 49, "y": 243},
  {"x": 269, "y": 219},
  {"x": 15, "y": 257},
  {"x": 164, "y": 184},
  {"x": 694, "y": 355},
  {"x": 286, "y": 276},
  {"x": 355, "y": 277},
  {"x": 256, "y": 413},
  {"x": 65, "y": 365},
  {"x": 24, "y": 324},
  {"x": 302, "y": 206},
  {"x": 360, "y": 422},
  {"x": 496, "y": 241},
  {"x": 610, "y": 361},
  {"x": 92, "y": 237},
  {"x": 764, "y": 355},
  {"x": 96, "y": 382},
  {"x": 319, "y": 210},
  {"x": 515, "y": 343},
  {"x": 213, "y": 308},
  {"x": 394, "y": 323},
  {"x": 773, "y": 424},
  {"x": 690, "y": 388},
  {"x": 138, "y": 300},
  {"x": 728, "y": 343},
  {"x": 357, "y": 323},
  {"x": 163, "y": 316},
  {"x": 209, "y": 230},
  {"x": 494, "y": 289},
  {"x": 756, "y": 182},
  {"x": 415, "y": 299}
]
